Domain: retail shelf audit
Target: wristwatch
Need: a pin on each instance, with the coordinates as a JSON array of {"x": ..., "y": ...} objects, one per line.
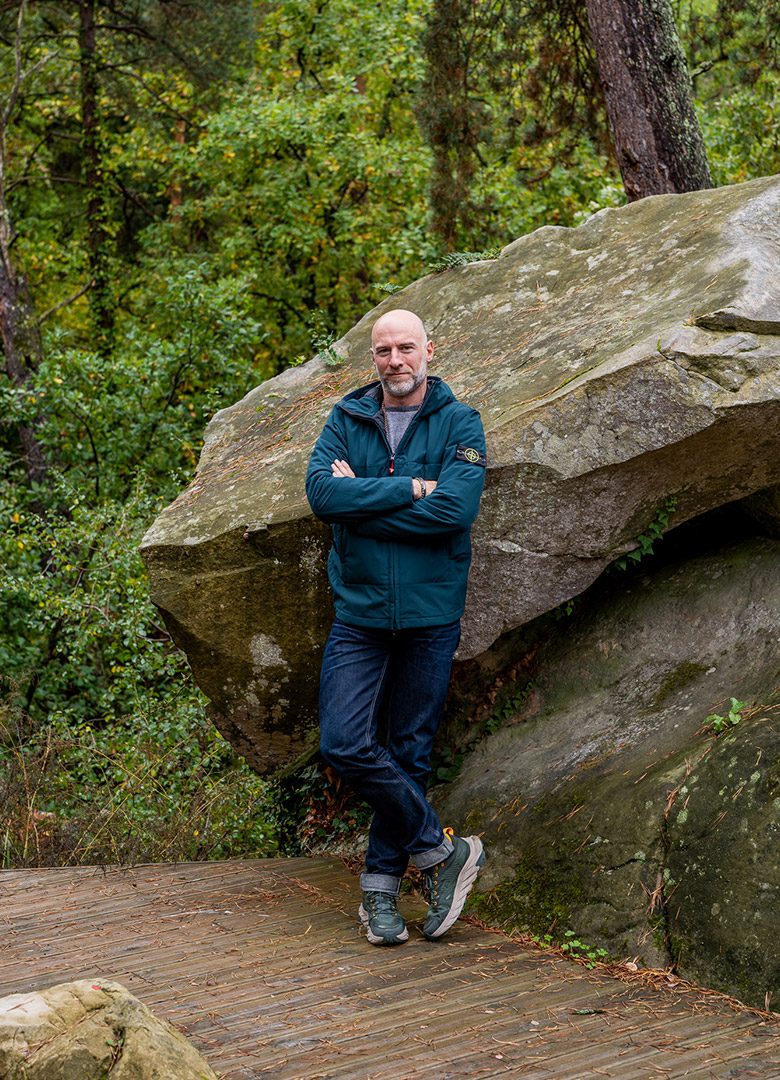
[{"x": 423, "y": 488}]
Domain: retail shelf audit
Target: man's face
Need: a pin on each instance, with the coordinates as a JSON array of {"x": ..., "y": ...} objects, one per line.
[{"x": 401, "y": 353}]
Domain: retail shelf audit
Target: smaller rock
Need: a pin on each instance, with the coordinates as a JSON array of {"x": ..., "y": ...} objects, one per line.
[{"x": 88, "y": 1030}]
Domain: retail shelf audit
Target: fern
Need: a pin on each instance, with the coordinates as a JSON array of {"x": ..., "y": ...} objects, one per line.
[{"x": 461, "y": 258}]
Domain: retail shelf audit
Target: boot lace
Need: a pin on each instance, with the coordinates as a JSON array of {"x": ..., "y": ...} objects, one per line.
[
  {"x": 432, "y": 875},
  {"x": 379, "y": 903}
]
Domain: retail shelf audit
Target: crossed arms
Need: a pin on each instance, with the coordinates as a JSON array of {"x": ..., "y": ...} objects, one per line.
[{"x": 385, "y": 507}]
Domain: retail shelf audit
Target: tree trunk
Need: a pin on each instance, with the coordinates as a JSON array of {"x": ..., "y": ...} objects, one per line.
[
  {"x": 19, "y": 329},
  {"x": 648, "y": 93},
  {"x": 100, "y": 300},
  {"x": 174, "y": 190},
  {"x": 450, "y": 117},
  {"x": 22, "y": 350}
]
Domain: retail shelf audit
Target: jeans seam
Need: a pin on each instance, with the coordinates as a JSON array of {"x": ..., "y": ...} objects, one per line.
[{"x": 374, "y": 700}]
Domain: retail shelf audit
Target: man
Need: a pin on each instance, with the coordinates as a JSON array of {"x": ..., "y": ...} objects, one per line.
[{"x": 398, "y": 473}]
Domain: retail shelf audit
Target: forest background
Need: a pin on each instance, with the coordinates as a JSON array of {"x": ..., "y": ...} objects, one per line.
[{"x": 194, "y": 196}]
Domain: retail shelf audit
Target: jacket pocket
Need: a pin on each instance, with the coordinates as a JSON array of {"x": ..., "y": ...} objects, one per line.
[{"x": 428, "y": 470}]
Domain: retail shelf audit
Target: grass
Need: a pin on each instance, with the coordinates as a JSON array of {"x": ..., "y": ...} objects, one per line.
[{"x": 127, "y": 793}]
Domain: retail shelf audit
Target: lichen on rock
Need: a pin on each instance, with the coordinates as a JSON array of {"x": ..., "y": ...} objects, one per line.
[{"x": 88, "y": 1030}]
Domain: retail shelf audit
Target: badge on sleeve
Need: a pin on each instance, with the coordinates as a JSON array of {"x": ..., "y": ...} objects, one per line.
[{"x": 472, "y": 455}]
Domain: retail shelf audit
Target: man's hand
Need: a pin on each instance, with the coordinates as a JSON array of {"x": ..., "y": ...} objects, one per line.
[
  {"x": 417, "y": 490},
  {"x": 341, "y": 468}
]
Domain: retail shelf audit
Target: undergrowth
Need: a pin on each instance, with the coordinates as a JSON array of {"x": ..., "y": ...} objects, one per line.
[{"x": 161, "y": 784}]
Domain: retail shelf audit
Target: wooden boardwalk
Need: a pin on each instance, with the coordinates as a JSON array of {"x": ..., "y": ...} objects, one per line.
[{"x": 262, "y": 965}]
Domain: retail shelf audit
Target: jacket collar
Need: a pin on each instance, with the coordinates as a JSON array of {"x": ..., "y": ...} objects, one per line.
[{"x": 367, "y": 400}]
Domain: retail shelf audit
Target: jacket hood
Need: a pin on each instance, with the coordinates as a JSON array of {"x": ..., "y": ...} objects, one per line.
[{"x": 367, "y": 400}]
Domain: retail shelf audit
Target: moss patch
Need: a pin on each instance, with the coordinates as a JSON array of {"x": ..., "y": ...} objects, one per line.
[
  {"x": 539, "y": 899},
  {"x": 676, "y": 679}
]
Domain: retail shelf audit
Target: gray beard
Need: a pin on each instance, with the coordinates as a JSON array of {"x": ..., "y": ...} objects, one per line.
[{"x": 403, "y": 390}]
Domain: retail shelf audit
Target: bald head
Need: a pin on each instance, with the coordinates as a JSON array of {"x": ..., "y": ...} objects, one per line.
[
  {"x": 400, "y": 350},
  {"x": 400, "y": 321}
]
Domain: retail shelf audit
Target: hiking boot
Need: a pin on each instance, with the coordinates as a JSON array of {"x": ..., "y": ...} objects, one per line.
[
  {"x": 448, "y": 883},
  {"x": 383, "y": 922}
]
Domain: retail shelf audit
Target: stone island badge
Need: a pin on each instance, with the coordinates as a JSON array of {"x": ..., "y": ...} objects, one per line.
[{"x": 468, "y": 453}]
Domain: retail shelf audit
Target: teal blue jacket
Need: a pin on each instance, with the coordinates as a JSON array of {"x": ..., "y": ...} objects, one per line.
[{"x": 396, "y": 562}]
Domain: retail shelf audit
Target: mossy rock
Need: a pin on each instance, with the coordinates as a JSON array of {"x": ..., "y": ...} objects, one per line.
[
  {"x": 618, "y": 365},
  {"x": 724, "y": 870},
  {"x": 607, "y": 804}
]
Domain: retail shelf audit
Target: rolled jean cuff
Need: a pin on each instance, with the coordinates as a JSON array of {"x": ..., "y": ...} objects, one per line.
[
  {"x": 436, "y": 855},
  {"x": 380, "y": 883}
]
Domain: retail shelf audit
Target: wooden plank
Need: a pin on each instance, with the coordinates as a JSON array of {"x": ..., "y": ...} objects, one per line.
[{"x": 262, "y": 964}]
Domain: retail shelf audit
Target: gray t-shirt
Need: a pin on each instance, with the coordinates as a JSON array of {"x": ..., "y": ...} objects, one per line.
[{"x": 397, "y": 420}]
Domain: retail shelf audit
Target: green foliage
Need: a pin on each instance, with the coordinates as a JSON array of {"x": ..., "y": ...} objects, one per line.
[
  {"x": 461, "y": 258},
  {"x": 734, "y": 53},
  {"x": 719, "y": 724},
  {"x": 124, "y": 763},
  {"x": 158, "y": 785},
  {"x": 311, "y": 173},
  {"x": 565, "y": 610},
  {"x": 106, "y": 753},
  {"x": 573, "y": 947},
  {"x": 261, "y": 177},
  {"x": 322, "y": 340},
  {"x": 655, "y": 530},
  {"x": 578, "y": 950},
  {"x": 313, "y": 808},
  {"x": 741, "y": 131},
  {"x": 507, "y": 708},
  {"x": 447, "y": 763}
]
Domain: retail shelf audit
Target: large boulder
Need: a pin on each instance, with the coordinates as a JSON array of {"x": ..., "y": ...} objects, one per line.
[
  {"x": 611, "y": 807},
  {"x": 628, "y": 374},
  {"x": 88, "y": 1030}
]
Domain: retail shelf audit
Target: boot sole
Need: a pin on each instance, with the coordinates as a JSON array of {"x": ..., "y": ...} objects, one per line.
[
  {"x": 378, "y": 939},
  {"x": 466, "y": 878}
]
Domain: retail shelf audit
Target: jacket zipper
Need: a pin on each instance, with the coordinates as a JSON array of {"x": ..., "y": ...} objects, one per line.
[{"x": 377, "y": 419}]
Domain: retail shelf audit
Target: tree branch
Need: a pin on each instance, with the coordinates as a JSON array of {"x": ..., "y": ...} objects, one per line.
[
  {"x": 64, "y": 303},
  {"x": 19, "y": 75},
  {"x": 121, "y": 69},
  {"x": 705, "y": 66}
]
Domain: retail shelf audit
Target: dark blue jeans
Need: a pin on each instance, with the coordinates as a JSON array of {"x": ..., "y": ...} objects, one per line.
[{"x": 408, "y": 671}]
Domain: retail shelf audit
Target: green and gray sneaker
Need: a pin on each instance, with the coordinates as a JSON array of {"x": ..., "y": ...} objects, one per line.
[
  {"x": 449, "y": 883},
  {"x": 383, "y": 922}
]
